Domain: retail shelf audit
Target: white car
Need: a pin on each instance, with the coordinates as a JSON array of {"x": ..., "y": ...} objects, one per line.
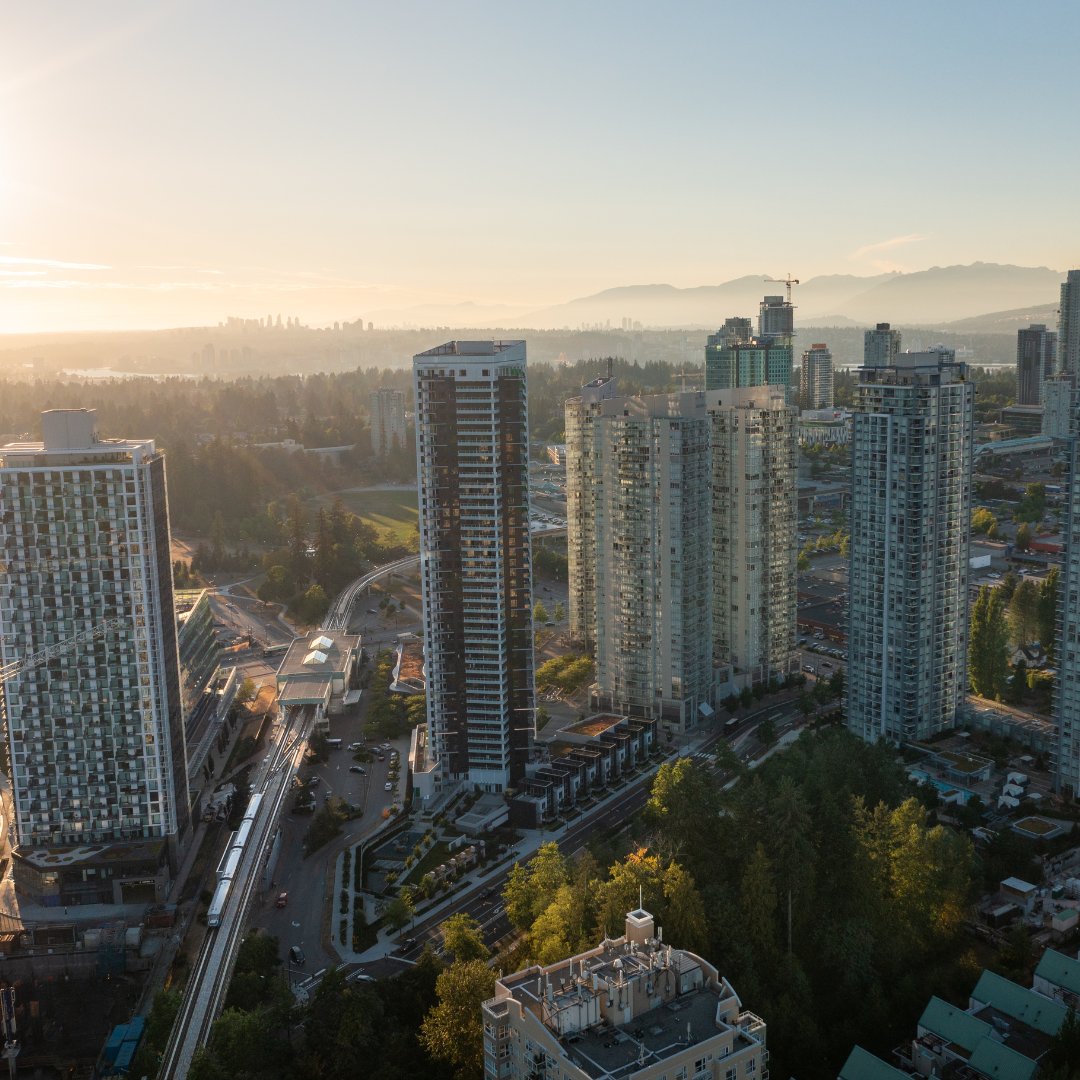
[{"x": 388, "y": 786}]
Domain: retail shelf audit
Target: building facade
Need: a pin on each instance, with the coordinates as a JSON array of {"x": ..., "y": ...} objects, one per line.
[
  {"x": 881, "y": 346},
  {"x": 1036, "y": 358},
  {"x": 1069, "y": 325},
  {"x": 581, "y": 480},
  {"x": 632, "y": 1008},
  {"x": 472, "y": 451},
  {"x": 816, "y": 378},
  {"x": 754, "y": 438},
  {"x": 776, "y": 318},
  {"x": 650, "y": 529},
  {"x": 387, "y": 409},
  {"x": 95, "y": 731},
  {"x": 912, "y": 442},
  {"x": 200, "y": 654}
]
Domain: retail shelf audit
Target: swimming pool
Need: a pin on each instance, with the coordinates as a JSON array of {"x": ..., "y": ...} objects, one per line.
[{"x": 941, "y": 785}]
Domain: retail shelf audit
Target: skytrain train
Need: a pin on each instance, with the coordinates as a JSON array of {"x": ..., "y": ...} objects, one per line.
[{"x": 230, "y": 862}]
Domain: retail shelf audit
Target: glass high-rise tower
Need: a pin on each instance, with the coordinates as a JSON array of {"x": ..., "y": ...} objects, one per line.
[
  {"x": 912, "y": 440},
  {"x": 95, "y": 732},
  {"x": 472, "y": 454}
]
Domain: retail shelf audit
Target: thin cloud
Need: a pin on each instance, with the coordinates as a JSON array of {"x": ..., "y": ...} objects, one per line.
[
  {"x": 188, "y": 269},
  {"x": 886, "y": 245},
  {"x": 55, "y": 264}
]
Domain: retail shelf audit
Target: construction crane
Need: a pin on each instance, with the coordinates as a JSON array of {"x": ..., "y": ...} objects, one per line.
[
  {"x": 788, "y": 281},
  {"x": 43, "y": 656}
]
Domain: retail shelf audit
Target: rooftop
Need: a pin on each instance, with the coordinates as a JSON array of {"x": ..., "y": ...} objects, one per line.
[
  {"x": 862, "y": 1065},
  {"x": 473, "y": 348},
  {"x": 1059, "y": 969},
  {"x": 594, "y": 725},
  {"x": 631, "y": 1003},
  {"x": 322, "y": 655}
]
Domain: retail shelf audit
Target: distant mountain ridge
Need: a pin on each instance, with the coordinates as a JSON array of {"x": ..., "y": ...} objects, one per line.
[{"x": 938, "y": 296}]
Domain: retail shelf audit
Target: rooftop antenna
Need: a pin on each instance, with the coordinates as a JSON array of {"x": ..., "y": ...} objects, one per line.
[{"x": 640, "y": 898}]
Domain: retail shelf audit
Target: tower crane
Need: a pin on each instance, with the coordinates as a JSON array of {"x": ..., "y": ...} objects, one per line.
[{"x": 788, "y": 281}]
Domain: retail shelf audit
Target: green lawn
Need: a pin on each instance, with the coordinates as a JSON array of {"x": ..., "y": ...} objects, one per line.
[{"x": 393, "y": 513}]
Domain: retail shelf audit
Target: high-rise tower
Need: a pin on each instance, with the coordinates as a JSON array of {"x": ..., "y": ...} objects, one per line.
[
  {"x": 734, "y": 358},
  {"x": 472, "y": 447},
  {"x": 387, "y": 408},
  {"x": 95, "y": 734},
  {"x": 1036, "y": 358},
  {"x": 644, "y": 526},
  {"x": 754, "y": 519},
  {"x": 816, "y": 378},
  {"x": 582, "y": 479},
  {"x": 910, "y": 528},
  {"x": 1069, "y": 325},
  {"x": 881, "y": 346}
]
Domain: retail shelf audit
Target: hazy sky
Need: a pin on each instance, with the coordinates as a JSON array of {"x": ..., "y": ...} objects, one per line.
[{"x": 167, "y": 163}]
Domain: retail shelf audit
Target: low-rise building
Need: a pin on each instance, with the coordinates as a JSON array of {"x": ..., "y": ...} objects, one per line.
[
  {"x": 316, "y": 672},
  {"x": 583, "y": 759},
  {"x": 1058, "y": 976},
  {"x": 1001, "y": 1035},
  {"x": 632, "y": 1008}
]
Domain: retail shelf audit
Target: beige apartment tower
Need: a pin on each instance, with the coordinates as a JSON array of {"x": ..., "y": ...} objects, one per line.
[{"x": 754, "y": 517}]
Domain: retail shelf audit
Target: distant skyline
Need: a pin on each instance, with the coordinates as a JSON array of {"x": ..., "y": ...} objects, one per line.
[{"x": 171, "y": 163}]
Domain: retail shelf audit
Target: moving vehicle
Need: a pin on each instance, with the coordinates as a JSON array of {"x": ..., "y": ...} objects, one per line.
[
  {"x": 296, "y": 955},
  {"x": 282, "y": 900},
  {"x": 357, "y": 769},
  {"x": 333, "y": 743}
]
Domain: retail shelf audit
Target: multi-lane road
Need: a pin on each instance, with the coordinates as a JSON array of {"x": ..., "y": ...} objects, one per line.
[
  {"x": 484, "y": 902},
  {"x": 210, "y": 975}
]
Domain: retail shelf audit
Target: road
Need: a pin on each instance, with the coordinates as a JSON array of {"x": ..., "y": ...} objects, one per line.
[
  {"x": 484, "y": 901},
  {"x": 212, "y": 970}
]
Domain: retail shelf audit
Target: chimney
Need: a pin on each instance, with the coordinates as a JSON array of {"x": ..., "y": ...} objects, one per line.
[{"x": 640, "y": 926}]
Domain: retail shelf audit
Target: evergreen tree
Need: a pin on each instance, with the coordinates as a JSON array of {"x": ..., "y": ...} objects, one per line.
[{"x": 988, "y": 644}]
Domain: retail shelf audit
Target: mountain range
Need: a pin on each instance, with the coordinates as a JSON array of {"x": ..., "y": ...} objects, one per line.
[{"x": 996, "y": 297}]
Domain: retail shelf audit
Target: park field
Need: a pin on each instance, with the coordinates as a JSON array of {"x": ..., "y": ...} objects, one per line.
[{"x": 392, "y": 512}]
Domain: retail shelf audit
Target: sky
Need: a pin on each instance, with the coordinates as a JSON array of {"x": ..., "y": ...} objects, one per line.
[{"x": 171, "y": 162}]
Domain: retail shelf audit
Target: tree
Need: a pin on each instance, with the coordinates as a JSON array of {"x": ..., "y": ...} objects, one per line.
[
  {"x": 559, "y": 613},
  {"x": 1023, "y": 537},
  {"x": 540, "y": 613},
  {"x": 1062, "y": 1058},
  {"x": 766, "y": 731},
  {"x": 463, "y": 938},
  {"x": 1046, "y": 612},
  {"x": 533, "y": 885},
  {"x": 452, "y": 1030},
  {"x": 684, "y": 803},
  {"x": 988, "y": 644},
  {"x": 1023, "y": 613},
  {"x": 684, "y": 914},
  {"x": 983, "y": 521},
  {"x": 399, "y": 911},
  {"x": 247, "y": 692}
]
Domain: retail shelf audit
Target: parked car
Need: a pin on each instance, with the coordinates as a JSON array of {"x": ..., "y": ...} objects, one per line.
[{"x": 388, "y": 786}]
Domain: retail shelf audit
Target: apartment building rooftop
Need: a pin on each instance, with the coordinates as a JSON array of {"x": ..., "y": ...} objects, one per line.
[
  {"x": 472, "y": 348},
  {"x": 627, "y": 1007}
]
